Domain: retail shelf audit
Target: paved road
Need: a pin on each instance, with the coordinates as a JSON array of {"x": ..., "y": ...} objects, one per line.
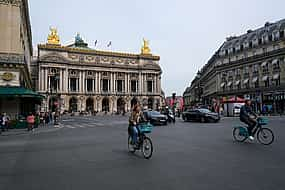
[{"x": 91, "y": 153}]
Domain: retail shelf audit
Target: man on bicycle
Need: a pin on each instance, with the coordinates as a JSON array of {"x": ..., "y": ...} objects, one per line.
[
  {"x": 134, "y": 120},
  {"x": 249, "y": 117}
]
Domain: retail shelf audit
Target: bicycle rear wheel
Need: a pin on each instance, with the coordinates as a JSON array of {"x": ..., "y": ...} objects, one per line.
[
  {"x": 131, "y": 147},
  {"x": 147, "y": 148},
  {"x": 237, "y": 134},
  {"x": 265, "y": 136}
]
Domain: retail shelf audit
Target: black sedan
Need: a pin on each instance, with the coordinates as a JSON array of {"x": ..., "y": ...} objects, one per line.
[
  {"x": 155, "y": 118},
  {"x": 201, "y": 115}
]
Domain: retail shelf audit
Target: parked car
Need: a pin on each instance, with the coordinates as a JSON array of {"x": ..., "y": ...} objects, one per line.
[
  {"x": 155, "y": 118},
  {"x": 201, "y": 115},
  {"x": 236, "y": 110}
]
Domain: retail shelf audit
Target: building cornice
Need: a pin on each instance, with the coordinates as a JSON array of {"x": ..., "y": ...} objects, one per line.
[
  {"x": 11, "y": 2},
  {"x": 97, "y": 52},
  {"x": 11, "y": 58},
  {"x": 58, "y": 60}
]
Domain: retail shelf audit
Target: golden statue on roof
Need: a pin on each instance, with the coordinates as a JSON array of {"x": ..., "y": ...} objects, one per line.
[
  {"x": 145, "y": 48},
  {"x": 53, "y": 37}
]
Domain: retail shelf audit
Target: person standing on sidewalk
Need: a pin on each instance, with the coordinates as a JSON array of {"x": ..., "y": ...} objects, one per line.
[{"x": 31, "y": 121}]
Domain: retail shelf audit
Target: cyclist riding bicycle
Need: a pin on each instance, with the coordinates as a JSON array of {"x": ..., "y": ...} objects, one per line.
[
  {"x": 249, "y": 117},
  {"x": 134, "y": 120}
]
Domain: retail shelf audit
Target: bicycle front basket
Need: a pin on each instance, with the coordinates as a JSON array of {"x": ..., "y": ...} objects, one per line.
[
  {"x": 262, "y": 121},
  {"x": 146, "y": 128}
]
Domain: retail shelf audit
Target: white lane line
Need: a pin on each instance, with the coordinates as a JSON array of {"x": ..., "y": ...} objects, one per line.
[
  {"x": 69, "y": 126},
  {"x": 68, "y": 120},
  {"x": 90, "y": 125}
]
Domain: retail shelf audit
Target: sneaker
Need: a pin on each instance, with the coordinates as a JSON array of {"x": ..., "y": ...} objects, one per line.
[{"x": 251, "y": 138}]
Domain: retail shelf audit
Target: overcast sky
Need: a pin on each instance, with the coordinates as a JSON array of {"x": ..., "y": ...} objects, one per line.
[{"x": 185, "y": 33}]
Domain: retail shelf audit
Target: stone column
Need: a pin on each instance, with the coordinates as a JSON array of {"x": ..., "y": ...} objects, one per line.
[
  {"x": 145, "y": 84},
  {"x": 126, "y": 83},
  {"x": 159, "y": 85},
  {"x": 140, "y": 83},
  {"x": 65, "y": 81},
  {"x": 152, "y": 86},
  {"x": 77, "y": 85},
  {"x": 95, "y": 82},
  {"x": 129, "y": 83},
  {"x": 111, "y": 83},
  {"x": 99, "y": 82},
  {"x": 40, "y": 78},
  {"x": 80, "y": 81},
  {"x": 155, "y": 82},
  {"x": 137, "y": 86},
  {"x": 44, "y": 79},
  {"x": 60, "y": 80},
  {"x": 83, "y": 82},
  {"x": 48, "y": 84}
]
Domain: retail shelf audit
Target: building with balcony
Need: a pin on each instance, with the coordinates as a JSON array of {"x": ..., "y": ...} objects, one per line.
[
  {"x": 78, "y": 78},
  {"x": 251, "y": 65}
]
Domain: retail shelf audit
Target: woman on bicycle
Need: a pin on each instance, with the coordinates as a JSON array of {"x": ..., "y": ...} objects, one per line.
[{"x": 134, "y": 120}]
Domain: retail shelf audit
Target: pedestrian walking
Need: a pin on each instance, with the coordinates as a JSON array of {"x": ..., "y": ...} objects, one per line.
[
  {"x": 37, "y": 120},
  {"x": 46, "y": 118},
  {"x": 4, "y": 122},
  {"x": 31, "y": 122},
  {"x": 50, "y": 117}
]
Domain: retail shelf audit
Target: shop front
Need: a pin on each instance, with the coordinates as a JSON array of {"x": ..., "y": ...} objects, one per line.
[
  {"x": 274, "y": 103},
  {"x": 18, "y": 101}
]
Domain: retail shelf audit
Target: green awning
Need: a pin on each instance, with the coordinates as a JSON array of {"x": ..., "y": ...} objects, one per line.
[{"x": 19, "y": 92}]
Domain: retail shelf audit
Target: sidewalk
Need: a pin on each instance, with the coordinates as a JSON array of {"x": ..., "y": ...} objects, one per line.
[{"x": 40, "y": 129}]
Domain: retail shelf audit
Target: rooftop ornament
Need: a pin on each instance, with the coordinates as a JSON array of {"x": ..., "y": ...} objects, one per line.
[
  {"x": 79, "y": 42},
  {"x": 145, "y": 48},
  {"x": 53, "y": 37}
]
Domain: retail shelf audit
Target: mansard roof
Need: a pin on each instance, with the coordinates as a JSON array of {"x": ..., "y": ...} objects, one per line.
[{"x": 268, "y": 29}]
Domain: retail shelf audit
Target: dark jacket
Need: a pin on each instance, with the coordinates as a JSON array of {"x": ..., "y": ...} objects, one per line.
[{"x": 246, "y": 112}]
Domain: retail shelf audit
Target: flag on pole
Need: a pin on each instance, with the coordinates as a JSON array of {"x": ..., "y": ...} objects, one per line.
[
  {"x": 109, "y": 44},
  {"x": 95, "y": 43}
]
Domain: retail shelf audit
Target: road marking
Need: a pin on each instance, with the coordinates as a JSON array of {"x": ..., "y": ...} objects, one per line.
[
  {"x": 69, "y": 126},
  {"x": 90, "y": 125},
  {"x": 68, "y": 120}
]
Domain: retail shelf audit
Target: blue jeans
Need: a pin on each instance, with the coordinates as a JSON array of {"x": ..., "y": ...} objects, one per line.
[{"x": 135, "y": 135}]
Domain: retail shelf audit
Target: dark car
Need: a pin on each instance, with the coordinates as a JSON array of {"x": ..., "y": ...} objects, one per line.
[
  {"x": 155, "y": 118},
  {"x": 201, "y": 115}
]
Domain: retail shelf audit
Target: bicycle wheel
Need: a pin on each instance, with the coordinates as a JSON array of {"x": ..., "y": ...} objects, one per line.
[
  {"x": 237, "y": 135},
  {"x": 131, "y": 147},
  {"x": 265, "y": 136},
  {"x": 147, "y": 148}
]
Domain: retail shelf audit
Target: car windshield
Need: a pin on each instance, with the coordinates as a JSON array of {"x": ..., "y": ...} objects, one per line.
[
  {"x": 204, "y": 110},
  {"x": 154, "y": 113}
]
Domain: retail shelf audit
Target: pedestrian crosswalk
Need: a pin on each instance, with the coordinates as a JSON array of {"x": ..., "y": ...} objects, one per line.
[{"x": 83, "y": 125}]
